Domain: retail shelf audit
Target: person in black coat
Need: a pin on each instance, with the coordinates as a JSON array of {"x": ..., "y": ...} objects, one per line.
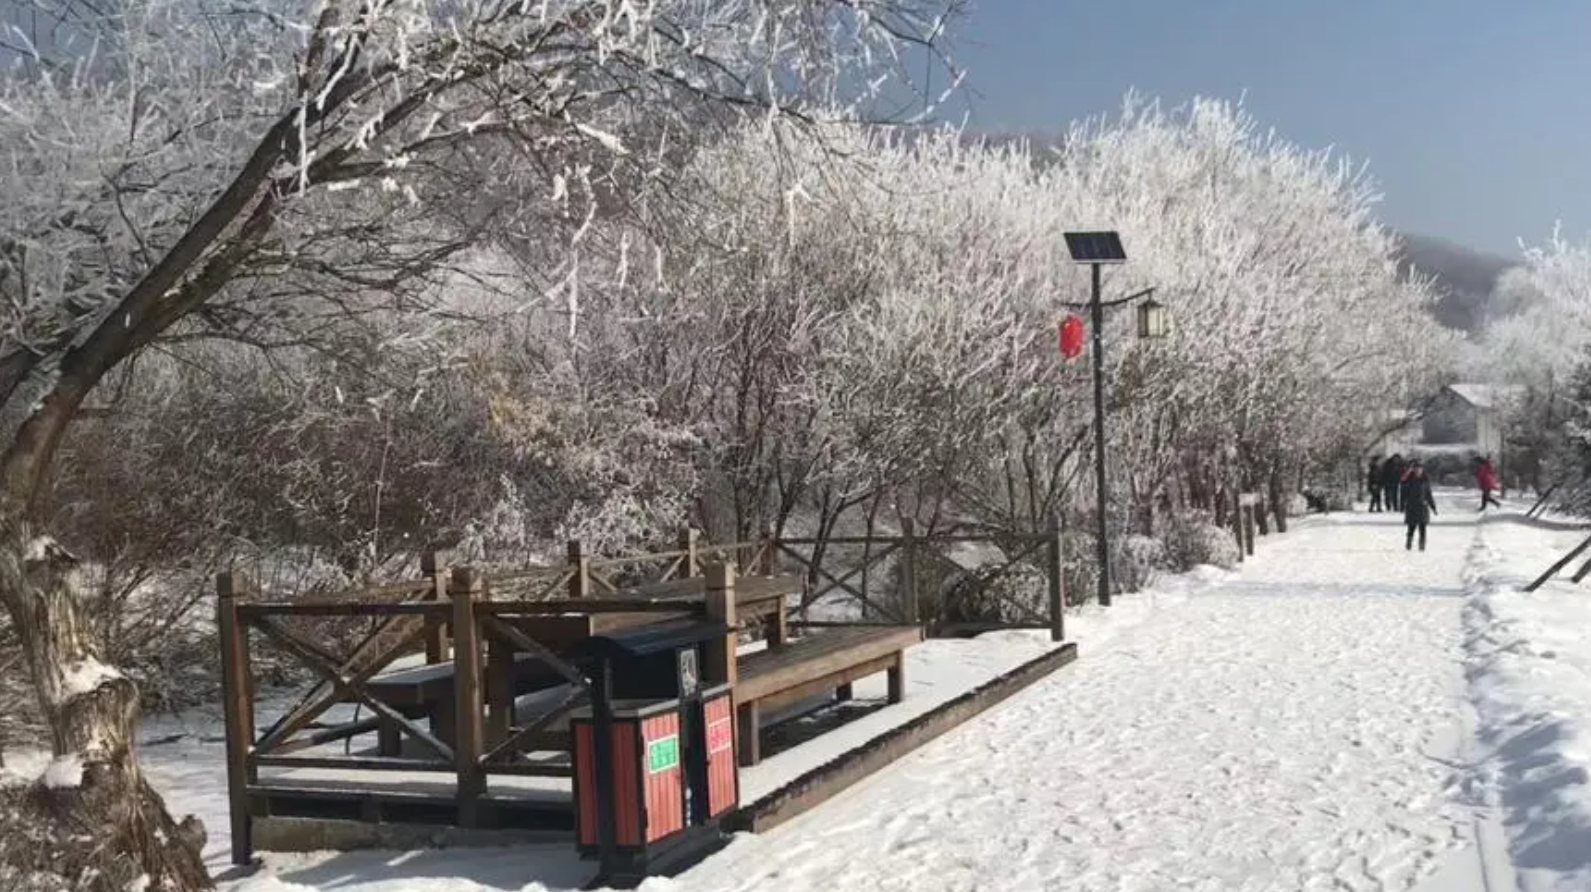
[
  {"x": 1418, "y": 503},
  {"x": 1391, "y": 476},
  {"x": 1373, "y": 483}
]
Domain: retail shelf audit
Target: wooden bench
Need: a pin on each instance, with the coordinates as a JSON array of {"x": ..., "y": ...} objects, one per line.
[{"x": 815, "y": 665}]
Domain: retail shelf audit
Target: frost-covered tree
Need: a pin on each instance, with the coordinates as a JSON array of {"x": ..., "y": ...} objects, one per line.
[
  {"x": 872, "y": 329},
  {"x": 1549, "y": 325},
  {"x": 269, "y": 173},
  {"x": 1270, "y": 261},
  {"x": 1539, "y": 345}
]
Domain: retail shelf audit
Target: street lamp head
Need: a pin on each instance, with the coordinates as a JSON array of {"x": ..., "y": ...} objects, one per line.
[
  {"x": 1095, "y": 247},
  {"x": 1152, "y": 322}
]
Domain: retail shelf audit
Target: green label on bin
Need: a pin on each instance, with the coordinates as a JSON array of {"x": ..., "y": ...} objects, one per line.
[{"x": 662, "y": 754}]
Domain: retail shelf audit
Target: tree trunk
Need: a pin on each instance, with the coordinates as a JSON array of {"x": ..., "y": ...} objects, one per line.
[
  {"x": 1278, "y": 501},
  {"x": 92, "y": 819}
]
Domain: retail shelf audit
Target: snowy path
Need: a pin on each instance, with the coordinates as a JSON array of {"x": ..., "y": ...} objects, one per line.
[{"x": 1294, "y": 729}]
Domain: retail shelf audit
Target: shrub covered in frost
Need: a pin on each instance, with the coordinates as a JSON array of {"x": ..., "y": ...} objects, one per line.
[
  {"x": 1135, "y": 561},
  {"x": 1192, "y": 538}
]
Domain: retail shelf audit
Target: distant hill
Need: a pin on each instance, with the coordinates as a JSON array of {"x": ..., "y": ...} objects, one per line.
[{"x": 1463, "y": 277}]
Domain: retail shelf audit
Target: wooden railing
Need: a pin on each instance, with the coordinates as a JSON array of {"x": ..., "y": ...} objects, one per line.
[
  {"x": 956, "y": 583},
  {"x": 468, "y": 615},
  {"x": 481, "y": 693}
]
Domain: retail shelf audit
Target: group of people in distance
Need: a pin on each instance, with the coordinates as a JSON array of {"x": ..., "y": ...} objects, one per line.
[{"x": 1397, "y": 484}]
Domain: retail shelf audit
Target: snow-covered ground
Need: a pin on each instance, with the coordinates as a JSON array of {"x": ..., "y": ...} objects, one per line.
[
  {"x": 1528, "y": 657},
  {"x": 188, "y": 766},
  {"x": 1293, "y": 728},
  {"x": 185, "y": 758},
  {"x": 1339, "y": 714}
]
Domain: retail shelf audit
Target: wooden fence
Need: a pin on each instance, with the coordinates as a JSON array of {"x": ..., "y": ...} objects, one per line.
[
  {"x": 475, "y": 620},
  {"x": 924, "y": 584},
  {"x": 475, "y": 735}
]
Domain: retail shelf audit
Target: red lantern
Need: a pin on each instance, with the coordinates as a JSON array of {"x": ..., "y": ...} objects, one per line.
[{"x": 1072, "y": 336}]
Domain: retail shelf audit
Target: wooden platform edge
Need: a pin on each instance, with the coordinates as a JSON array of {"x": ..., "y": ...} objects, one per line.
[
  {"x": 843, "y": 771},
  {"x": 301, "y": 835}
]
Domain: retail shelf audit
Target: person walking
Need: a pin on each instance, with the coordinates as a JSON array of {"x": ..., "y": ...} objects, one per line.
[
  {"x": 1373, "y": 483},
  {"x": 1486, "y": 479},
  {"x": 1418, "y": 504},
  {"x": 1391, "y": 477}
]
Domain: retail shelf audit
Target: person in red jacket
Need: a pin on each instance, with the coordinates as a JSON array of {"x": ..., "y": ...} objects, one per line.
[{"x": 1486, "y": 479}]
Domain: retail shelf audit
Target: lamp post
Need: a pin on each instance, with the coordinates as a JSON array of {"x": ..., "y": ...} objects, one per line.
[{"x": 1097, "y": 249}]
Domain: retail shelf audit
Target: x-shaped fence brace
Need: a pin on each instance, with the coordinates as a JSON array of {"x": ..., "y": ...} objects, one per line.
[
  {"x": 579, "y": 689},
  {"x": 344, "y": 685},
  {"x": 966, "y": 582}
]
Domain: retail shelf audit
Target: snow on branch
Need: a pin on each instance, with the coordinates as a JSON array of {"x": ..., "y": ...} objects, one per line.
[
  {"x": 175, "y": 155},
  {"x": 900, "y": 295}
]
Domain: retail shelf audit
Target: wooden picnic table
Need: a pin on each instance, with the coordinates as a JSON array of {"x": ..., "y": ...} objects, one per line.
[{"x": 509, "y": 673}]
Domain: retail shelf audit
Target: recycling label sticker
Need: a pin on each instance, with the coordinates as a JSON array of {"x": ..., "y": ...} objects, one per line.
[
  {"x": 662, "y": 753},
  {"x": 719, "y": 736}
]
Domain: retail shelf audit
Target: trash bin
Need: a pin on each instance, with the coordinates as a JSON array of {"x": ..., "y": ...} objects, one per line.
[{"x": 666, "y": 766}]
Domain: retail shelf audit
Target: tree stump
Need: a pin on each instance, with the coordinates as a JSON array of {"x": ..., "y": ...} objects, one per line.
[{"x": 92, "y": 820}]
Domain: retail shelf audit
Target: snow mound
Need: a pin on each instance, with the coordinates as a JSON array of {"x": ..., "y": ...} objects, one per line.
[
  {"x": 27, "y": 766},
  {"x": 64, "y": 772},
  {"x": 85, "y": 676},
  {"x": 23, "y": 767}
]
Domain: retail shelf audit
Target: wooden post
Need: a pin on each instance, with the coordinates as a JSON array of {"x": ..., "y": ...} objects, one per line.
[
  {"x": 688, "y": 544},
  {"x": 580, "y": 562},
  {"x": 237, "y": 693},
  {"x": 1583, "y": 572},
  {"x": 768, "y": 564},
  {"x": 910, "y": 607},
  {"x": 436, "y": 638},
  {"x": 499, "y": 681},
  {"x": 1236, "y": 519},
  {"x": 895, "y": 679},
  {"x": 1248, "y": 507},
  {"x": 467, "y": 703},
  {"x": 1562, "y": 562},
  {"x": 1055, "y": 570},
  {"x": 1541, "y": 501},
  {"x": 719, "y": 656},
  {"x": 1276, "y": 500}
]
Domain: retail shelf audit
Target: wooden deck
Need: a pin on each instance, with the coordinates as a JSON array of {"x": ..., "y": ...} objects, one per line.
[{"x": 378, "y": 805}]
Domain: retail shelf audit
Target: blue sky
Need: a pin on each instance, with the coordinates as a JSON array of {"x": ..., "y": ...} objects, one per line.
[{"x": 1474, "y": 115}]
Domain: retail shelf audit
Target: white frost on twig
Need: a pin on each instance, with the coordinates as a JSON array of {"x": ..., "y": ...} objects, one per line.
[{"x": 609, "y": 141}]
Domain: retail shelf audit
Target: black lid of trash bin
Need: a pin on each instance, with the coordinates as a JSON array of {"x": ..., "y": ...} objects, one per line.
[{"x": 639, "y": 641}]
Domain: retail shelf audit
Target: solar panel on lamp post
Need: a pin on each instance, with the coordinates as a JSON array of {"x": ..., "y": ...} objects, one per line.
[{"x": 1096, "y": 249}]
